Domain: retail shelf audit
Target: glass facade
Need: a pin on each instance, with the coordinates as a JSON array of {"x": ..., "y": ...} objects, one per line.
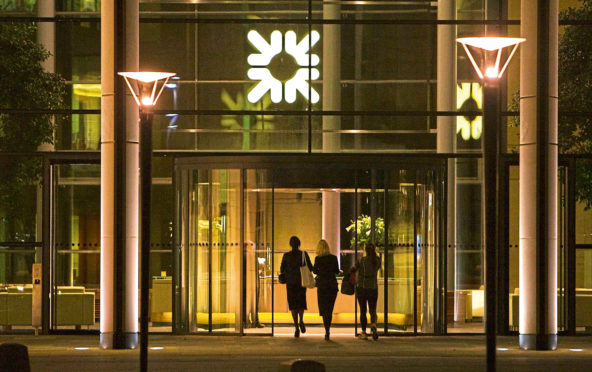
[{"x": 306, "y": 77}]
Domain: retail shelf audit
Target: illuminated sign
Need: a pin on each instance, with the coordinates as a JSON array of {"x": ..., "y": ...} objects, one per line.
[
  {"x": 469, "y": 97},
  {"x": 298, "y": 82}
]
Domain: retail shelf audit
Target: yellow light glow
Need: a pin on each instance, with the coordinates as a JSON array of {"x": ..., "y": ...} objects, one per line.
[
  {"x": 87, "y": 90},
  {"x": 143, "y": 80},
  {"x": 147, "y": 101},
  {"x": 146, "y": 76},
  {"x": 469, "y": 97},
  {"x": 490, "y": 43},
  {"x": 491, "y": 72}
]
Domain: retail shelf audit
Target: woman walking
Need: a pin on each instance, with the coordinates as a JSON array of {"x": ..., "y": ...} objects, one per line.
[
  {"x": 367, "y": 289},
  {"x": 326, "y": 267},
  {"x": 290, "y": 269}
]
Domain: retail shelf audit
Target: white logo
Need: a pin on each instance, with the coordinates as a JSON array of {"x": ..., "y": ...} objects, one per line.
[{"x": 298, "y": 82}]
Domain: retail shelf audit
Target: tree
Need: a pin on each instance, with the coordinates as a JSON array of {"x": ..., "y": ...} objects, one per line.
[
  {"x": 24, "y": 85},
  {"x": 575, "y": 94}
]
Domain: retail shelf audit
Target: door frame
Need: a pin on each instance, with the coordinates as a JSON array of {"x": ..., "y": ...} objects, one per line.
[
  {"x": 50, "y": 159},
  {"x": 273, "y": 161}
]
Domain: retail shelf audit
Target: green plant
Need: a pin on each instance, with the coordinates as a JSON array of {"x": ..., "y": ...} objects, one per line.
[
  {"x": 364, "y": 231},
  {"x": 575, "y": 94},
  {"x": 25, "y": 85}
]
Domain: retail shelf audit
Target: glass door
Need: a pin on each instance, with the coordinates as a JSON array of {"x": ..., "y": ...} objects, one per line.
[
  {"x": 75, "y": 268},
  {"x": 234, "y": 225},
  {"x": 400, "y": 260},
  {"x": 259, "y": 261},
  {"x": 213, "y": 260},
  {"x": 411, "y": 262}
]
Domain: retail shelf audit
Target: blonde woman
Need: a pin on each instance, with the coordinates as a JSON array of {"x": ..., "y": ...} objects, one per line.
[{"x": 326, "y": 267}]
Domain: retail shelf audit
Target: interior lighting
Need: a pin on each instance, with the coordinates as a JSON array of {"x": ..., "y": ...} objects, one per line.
[
  {"x": 81, "y": 348},
  {"x": 576, "y": 349},
  {"x": 157, "y": 348},
  {"x": 502, "y": 349},
  {"x": 87, "y": 90}
]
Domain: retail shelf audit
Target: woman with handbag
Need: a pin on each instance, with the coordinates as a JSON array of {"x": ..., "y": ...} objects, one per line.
[
  {"x": 367, "y": 288},
  {"x": 326, "y": 267},
  {"x": 290, "y": 270}
]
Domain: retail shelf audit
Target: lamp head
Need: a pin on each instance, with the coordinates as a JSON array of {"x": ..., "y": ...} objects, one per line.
[
  {"x": 491, "y": 52},
  {"x": 146, "y": 85}
]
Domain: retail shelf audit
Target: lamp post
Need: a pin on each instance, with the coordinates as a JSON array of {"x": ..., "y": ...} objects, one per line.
[
  {"x": 145, "y": 95},
  {"x": 491, "y": 55}
]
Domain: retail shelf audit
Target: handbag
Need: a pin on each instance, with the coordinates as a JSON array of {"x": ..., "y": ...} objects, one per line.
[
  {"x": 348, "y": 284},
  {"x": 307, "y": 280}
]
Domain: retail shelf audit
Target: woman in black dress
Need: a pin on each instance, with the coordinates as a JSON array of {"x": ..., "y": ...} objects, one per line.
[
  {"x": 290, "y": 267},
  {"x": 326, "y": 267}
]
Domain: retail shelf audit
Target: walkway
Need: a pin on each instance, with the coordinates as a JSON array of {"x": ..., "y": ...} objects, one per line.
[{"x": 262, "y": 353}]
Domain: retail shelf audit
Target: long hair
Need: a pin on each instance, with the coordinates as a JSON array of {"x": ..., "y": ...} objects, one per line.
[
  {"x": 294, "y": 243},
  {"x": 323, "y": 248},
  {"x": 370, "y": 250}
]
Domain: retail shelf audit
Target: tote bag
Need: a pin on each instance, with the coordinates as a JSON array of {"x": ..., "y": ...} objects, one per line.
[
  {"x": 305, "y": 274},
  {"x": 348, "y": 284}
]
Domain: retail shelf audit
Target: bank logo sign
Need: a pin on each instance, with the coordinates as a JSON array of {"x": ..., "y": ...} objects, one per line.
[{"x": 298, "y": 82}]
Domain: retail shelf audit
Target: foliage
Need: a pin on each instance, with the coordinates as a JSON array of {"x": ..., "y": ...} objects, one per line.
[
  {"x": 364, "y": 230},
  {"x": 575, "y": 95},
  {"x": 575, "y": 87},
  {"x": 24, "y": 86}
]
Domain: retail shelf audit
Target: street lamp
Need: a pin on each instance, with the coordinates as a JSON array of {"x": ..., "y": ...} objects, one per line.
[
  {"x": 490, "y": 49},
  {"x": 145, "y": 94}
]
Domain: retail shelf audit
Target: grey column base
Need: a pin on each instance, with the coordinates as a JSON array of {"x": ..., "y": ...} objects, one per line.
[
  {"x": 538, "y": 342},
  {"x": 119, "y": 341}
]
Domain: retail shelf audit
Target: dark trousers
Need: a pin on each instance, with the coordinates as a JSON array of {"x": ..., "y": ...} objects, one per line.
[
  {"x": 367, "y": 299},
  {"x": 326, "y": 299}
]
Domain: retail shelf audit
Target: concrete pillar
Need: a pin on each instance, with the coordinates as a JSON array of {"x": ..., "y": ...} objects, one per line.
[
  {"x": 331, "y": 215},
  {"x": 446, "y": 128},
  {"x": 332, "y": 221},
  {"x": 46, "y": 38},
  {"x": 119, "y": 176},
  {"x": 538, "y": 175},
  {"x": 331, "y": 76}
]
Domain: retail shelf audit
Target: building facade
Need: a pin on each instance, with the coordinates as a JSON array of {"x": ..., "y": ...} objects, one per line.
[{"x": 350, "y": 121}]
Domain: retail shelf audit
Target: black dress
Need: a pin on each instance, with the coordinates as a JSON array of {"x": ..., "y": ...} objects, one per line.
[
  {"x": 326, "y": 267},
  {"x": 291, "y": 262}
]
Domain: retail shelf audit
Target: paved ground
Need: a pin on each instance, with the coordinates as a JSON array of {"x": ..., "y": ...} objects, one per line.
[{"x": 262, "y": 353}]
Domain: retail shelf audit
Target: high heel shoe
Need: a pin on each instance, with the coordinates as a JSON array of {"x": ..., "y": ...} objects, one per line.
[
  {"x": 297, "y": 333},
  {"x": 327, "y": 336},
  {"x": 302, "y": 327}
]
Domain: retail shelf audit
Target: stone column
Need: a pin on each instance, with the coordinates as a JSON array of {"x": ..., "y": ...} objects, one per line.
[
  {"x": 46, "y": 38},
  {"x": 46, "y": 32},
  {"x": 538, "y": 175},
  {"x": 119, "y": 176},
  {"x": 446, "y": 128},
  {"x": 331, "y": 215}
]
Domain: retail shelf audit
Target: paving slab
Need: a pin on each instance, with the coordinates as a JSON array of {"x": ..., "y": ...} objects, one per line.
[{"x": 65, "y": 353}]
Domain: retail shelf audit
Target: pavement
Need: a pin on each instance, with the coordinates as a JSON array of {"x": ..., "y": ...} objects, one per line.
[{"x": 65, "y": 353}]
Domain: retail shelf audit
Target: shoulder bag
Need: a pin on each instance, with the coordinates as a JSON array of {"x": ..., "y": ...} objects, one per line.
[
  {"x": 348, "y": 284},
  {"x": 306, "y": 277}
]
